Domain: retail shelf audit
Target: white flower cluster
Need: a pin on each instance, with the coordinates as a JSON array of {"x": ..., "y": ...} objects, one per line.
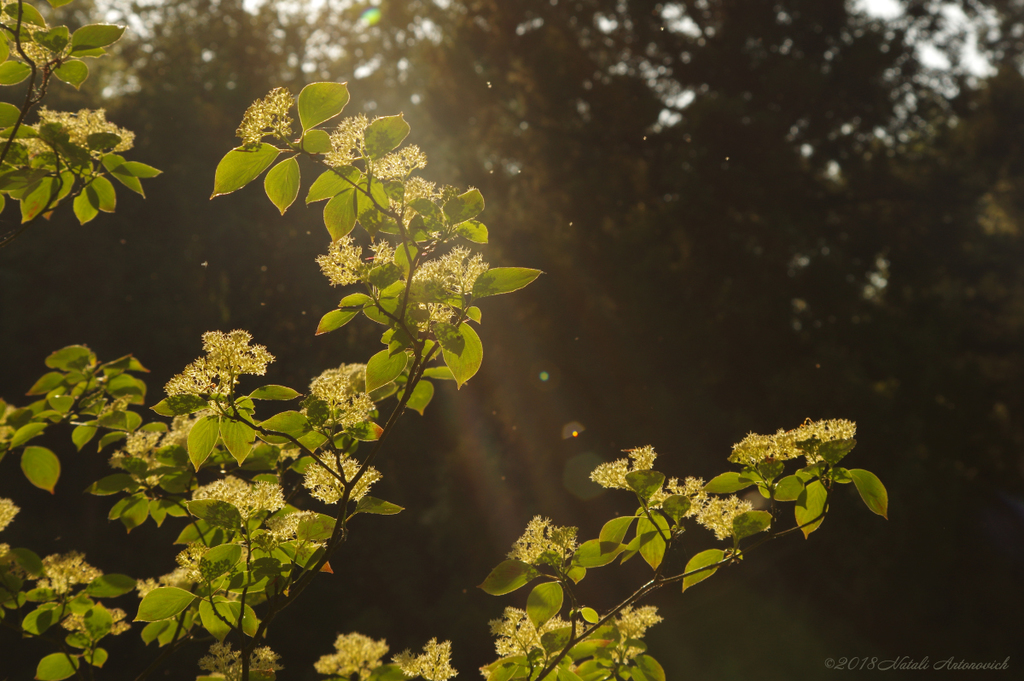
[
  {"x": 542, "y": 536},
  {"x": 433, "y": 664},
  {"x": 327, "y": 488},
  {"x": 228, "y": 356},
  {"x": 784, "y": 444},
  {"x": 224, "y": 662},
  {"x": 354, "y": 654},
  {"x": 515, "y": 633}
]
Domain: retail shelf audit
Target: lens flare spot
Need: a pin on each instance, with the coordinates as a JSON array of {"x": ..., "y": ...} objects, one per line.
[
  {"x": 544, "y": 376},
  {"x": 572, "y": 429},
  {"x": 370, "y": 17}
]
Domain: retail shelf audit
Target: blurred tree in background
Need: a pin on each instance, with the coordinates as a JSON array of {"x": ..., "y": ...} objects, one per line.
[{"x": 749, "y": 212}]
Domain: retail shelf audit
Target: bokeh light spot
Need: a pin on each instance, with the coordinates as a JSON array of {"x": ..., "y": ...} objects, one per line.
[
  {"x": 370, "y": 17},
  {"x": 572, "y": 429},
  {"x": 544, "y": 376}
]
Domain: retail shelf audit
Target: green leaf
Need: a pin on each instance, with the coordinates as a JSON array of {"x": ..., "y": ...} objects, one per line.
[
  {"x": 291, "y": 422},
  {"x": 41, "y": 619},
  {"x": 177, "y": 405},
  {"x": 136, "y": 169},
  {"x": 97, "y": 622},
  {"x": 273, "y": 392},
  {"x": 46, "y": 383},
  {"x": 366, "y": 432},
  {"x": 54, "y": 39},
  {"x": 590, "y": 615},
  {"x": 652, "y": 544},
  {"x": 81, "y": 435},
  {"x": 97, "y": 658},
  {"x": 110, "y": 586},
  {"x": 238, "y": 438},
  {"x": 319, "y": 102},
  {"x": 29, "y": 14},
  {"x": 500, "y": 280},
  {"x": 335, "y": 319},
  {"x": 101, "y": 141},
  {"x": 834, "y": 451},
  {"x": 872, "y": 491},
  {"x": 788, "y": 488},
  {"x": 473, "y": 230},
  {"x": 241, "y": 166},
  {"x": 464, "y": 207},
  {"x": 317, "y": 528},
  {"x": 29, "y": 561},
  {"x": 216, "y": 512},
  {"x": 646, "y": 668},
  {"x": 13, "y": 72},
  {"x": 57, "y": 666},
  {"x": 100, "y": 194},
  {"x": 384, "y": 134},
  {"x": 595, "y": 553},
  {"x": 727, "y": 483},
  {"x": 316, "y": 142},
  {"x": 340, "y": 214},
  {"x": 614, "y": 530},
  {"x": 163, "y": 603},
  {"x": 750, "y": 523},
  {"x": 384, "y": 368},
  {"x": 702, "y": 560},
  {"x": 202, "y": 439},
  {"x": 377, "y": 506},
  {"x": 73, "y": 72},
  {"x": 26, "y": 433},
  {"x": 112, "y": 484},
  {"x": 544, "y": 602},
  {"x": 282, "y": 183},
  {"x": 462, "y": 350},
  {"x": 41, "y": 467},
  {"x": 40, "y": 198},
  {"x": 84, "y": 209},
  {"x": 676, "y": 507},
  {"x": 421, "y": 396},
  {"x": 333, "y": 182},
  {"x": 645, "y": 483},
  {"x": 94, "y": 36},
  {"x": 810, "y": 505},
  {"x": 219, "y": 561},
  {"x": 508, "y": 576},
  {"x": 9, "y": 115},
  {"x": 442, "y": 373},
  {"x": 72, "y": 357}
]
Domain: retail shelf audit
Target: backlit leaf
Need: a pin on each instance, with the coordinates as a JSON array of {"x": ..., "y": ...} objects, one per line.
[
  {"x": 241, "y": 166},
  {"x": 41, "y": 467}
]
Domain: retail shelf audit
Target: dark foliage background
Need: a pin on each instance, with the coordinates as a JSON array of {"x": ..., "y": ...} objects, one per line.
[{"x": 748, "y": 213}]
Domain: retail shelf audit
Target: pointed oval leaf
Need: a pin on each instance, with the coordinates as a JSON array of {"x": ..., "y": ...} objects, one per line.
[
  {"x": 384, "y": 368},
  {"x": 647, "y": 669},
  {"x": 727, "y": 483},
  {"x": 282, "y": 183},
  {"x": 789, "y": 488},
  {"x": 26, "y": 433},
  {"x": 676, "y": 506},
  {"x": 238, "y": 438},
  {"x": 178, "y": 405},
  {"x": 9, "y": 114},
  {"x": 319, "y": 102},
  {"x": 340, "y": 214},
  {"x": 41, "y": 467},
  {"x": 590, "y": 615},
  {"x": 500, "y": 280},
  {"x": 57, "y": 666},
  {"x": 652, "y": 542},
  {"x": 13, "y": 72},
  {"x": 473, "y": 231},
  {"x": 241, "y": 166},
  {"x": 544, "y": 602},
  {"x": 110, "y": 586},
  {"x": 508, "y": 576},
  {"x": 614, "y": 530},
  {"x": 273, "y": 392},
  {"x": 333, "y": 182},
  {"x": 73, "y": 72},
  {"x": 93, "y": 36},
  {"x": 810, "y": 505},
  {"x": 163, "y": 603},
  {"x": 595, "y": 553},
  {"x": 750, "y": 523},
  {"x": 645, "y": 483},
  {"x": 421, "y": 396},
  {"x": 215, "y": 512},
  {"x": 202, "y": 439},
  {"x": 384, "y": 134},
  {"x": 333, "y": 320},
  {"x": 697, "y": 564},
  {"x": 872, "y": 491},
  {"x": 377, "y": 506},
  {"x": 464, "y": 206},
  {"x": 462, "y": 350},
  {"x": 316, "y": 142}
]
